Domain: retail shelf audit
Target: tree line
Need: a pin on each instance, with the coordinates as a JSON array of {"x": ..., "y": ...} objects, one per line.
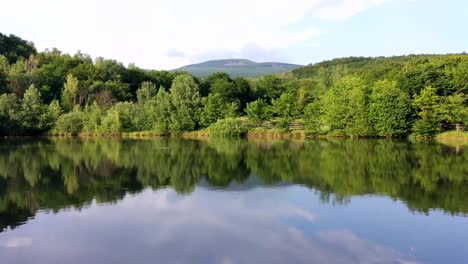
[{"x": 358, "y": 97}]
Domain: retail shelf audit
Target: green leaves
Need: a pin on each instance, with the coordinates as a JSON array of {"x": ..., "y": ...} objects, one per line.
[
  {"x": 185, "y": 99},
  {"x": 429, "y": 112},
  {"x": 344, "y": 109},
  {"x": 229, "y": 127},
  {"x": 257, "y": 111},
  {"x": 284, "y": 108},
  {"x": 390, "y": 110}
]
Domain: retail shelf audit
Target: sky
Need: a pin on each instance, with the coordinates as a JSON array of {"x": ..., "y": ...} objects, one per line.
[{"x": 166, "y": 34}]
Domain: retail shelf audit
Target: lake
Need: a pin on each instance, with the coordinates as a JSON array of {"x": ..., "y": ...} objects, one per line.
[{"x": 232, "y": 201}]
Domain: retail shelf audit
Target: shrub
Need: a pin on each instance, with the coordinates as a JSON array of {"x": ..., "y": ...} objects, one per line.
[
  {"x": 229, "y": 127},
  {"x": 70, "y": 123}
]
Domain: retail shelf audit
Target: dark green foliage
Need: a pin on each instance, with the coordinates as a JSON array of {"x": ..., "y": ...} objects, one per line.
[
  {"x": 15, "y": 48},
  {"x": 9, "y": 110},
  {"x": 4, "y": 70},
  {"x": 414, "y": 72},
  {"x": 268, "y": 87}
]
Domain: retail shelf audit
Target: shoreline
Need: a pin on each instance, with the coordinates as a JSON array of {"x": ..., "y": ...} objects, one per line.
[{"x": 450, "y": 136}]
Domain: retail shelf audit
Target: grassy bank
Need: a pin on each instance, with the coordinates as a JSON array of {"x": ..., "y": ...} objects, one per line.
[
  {"x": 253, "y": 133},
  {"x": 274, "y": 133},
  {"x": 453, "y": 135}
]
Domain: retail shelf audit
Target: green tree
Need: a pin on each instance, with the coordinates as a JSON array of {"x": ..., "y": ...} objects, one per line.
[
  {"x": 357, "y": 123},
  {"x": 269, "y": 87},
  {"x": 9, "y": 109},
  {"x": 4, "y": 69},
  {"x": 390, "y": 110},
  {"x": 15, "y": 48},
  {"x": 284, "y": 108},
  {"x": 32, "y": 109},
  {"x": 127, "y": 115},
  {"x": 70, "y": 92},
  {"x": 50, "y": 116},
  {"x": 70, "y": 123},
  {"x": 146, "y": 92},
  {"x": 110, "y": 123},
  {"x": 427, "y": 103},
  {"x": 92, "y": 118},
  {"x": 185, "y": 99},
  {"x": 454, "y": 109},
  {"x": 343, "y": 108},
  {"x": 312, "y": 115},
  {"x": 163, "y": 110},
  {"x": 17, "y": 78},
  {"x": 257, "y": 111},
  {"x": 215, "y": 108}
]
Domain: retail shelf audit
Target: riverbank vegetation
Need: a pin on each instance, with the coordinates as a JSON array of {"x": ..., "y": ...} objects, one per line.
[{"x": 62, "y": 94}]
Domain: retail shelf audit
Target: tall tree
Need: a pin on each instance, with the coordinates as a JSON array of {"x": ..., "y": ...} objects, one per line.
[
  {"x": 9, "y": 118},
  {"x": 427, "y": 103},
  {"x": 185, "y": 98},
  {"x": 390, "y": 110},
  {"x": 343, "y": 108},
  {"x": 257, "y": 111},
  {"x": 284, "y": 107},
  {"x": 32, "y": 109},
  {"x": 70, "y": 92}
]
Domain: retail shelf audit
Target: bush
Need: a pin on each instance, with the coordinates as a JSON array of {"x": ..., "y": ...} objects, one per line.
[
  {"x": 70, "y": 123},
  {"x": 229, "y": 127},
  {"x": 111, "y": 123}
]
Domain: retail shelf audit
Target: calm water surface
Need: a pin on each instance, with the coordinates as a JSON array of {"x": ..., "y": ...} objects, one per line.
[{"x": 180, "y": 201}]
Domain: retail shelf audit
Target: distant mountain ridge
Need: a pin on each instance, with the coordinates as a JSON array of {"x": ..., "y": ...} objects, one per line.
[{"x": 237, "y": 68}]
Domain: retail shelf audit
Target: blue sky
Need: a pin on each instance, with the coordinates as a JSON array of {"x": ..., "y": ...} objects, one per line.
[{"x": 164, "y": 34}]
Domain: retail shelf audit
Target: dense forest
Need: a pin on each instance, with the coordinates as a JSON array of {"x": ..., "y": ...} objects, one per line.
[
  {"x": 53, "y": 174},
  {"x": 52, "y": 92}
]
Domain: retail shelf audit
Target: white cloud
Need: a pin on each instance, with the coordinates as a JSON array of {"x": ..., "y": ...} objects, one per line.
[
  {"x": 345, "y": 9},
  {"x": 148, "y": 32},
  {"x": 255, "y": 226},
  {"x": 19, "y": 242}
]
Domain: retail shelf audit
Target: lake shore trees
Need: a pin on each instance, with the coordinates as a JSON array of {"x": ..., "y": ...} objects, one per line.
[{"x": 52, "y": 92}]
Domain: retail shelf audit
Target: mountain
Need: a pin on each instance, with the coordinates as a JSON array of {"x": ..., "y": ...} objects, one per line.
[{"x": 237, "y": 67}]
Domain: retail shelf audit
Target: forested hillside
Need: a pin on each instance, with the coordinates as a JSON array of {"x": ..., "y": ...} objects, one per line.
[
  {"x": 237, "y": 68},
  {"x": 386, "y": 97}
]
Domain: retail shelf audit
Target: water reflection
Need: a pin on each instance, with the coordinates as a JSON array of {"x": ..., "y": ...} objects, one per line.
[
  {"x": 207, "y": 227},
  {"x": 246, "y": 201}
]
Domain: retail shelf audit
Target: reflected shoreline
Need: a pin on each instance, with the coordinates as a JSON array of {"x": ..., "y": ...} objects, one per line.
[{"x": 53, "y": 174}]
